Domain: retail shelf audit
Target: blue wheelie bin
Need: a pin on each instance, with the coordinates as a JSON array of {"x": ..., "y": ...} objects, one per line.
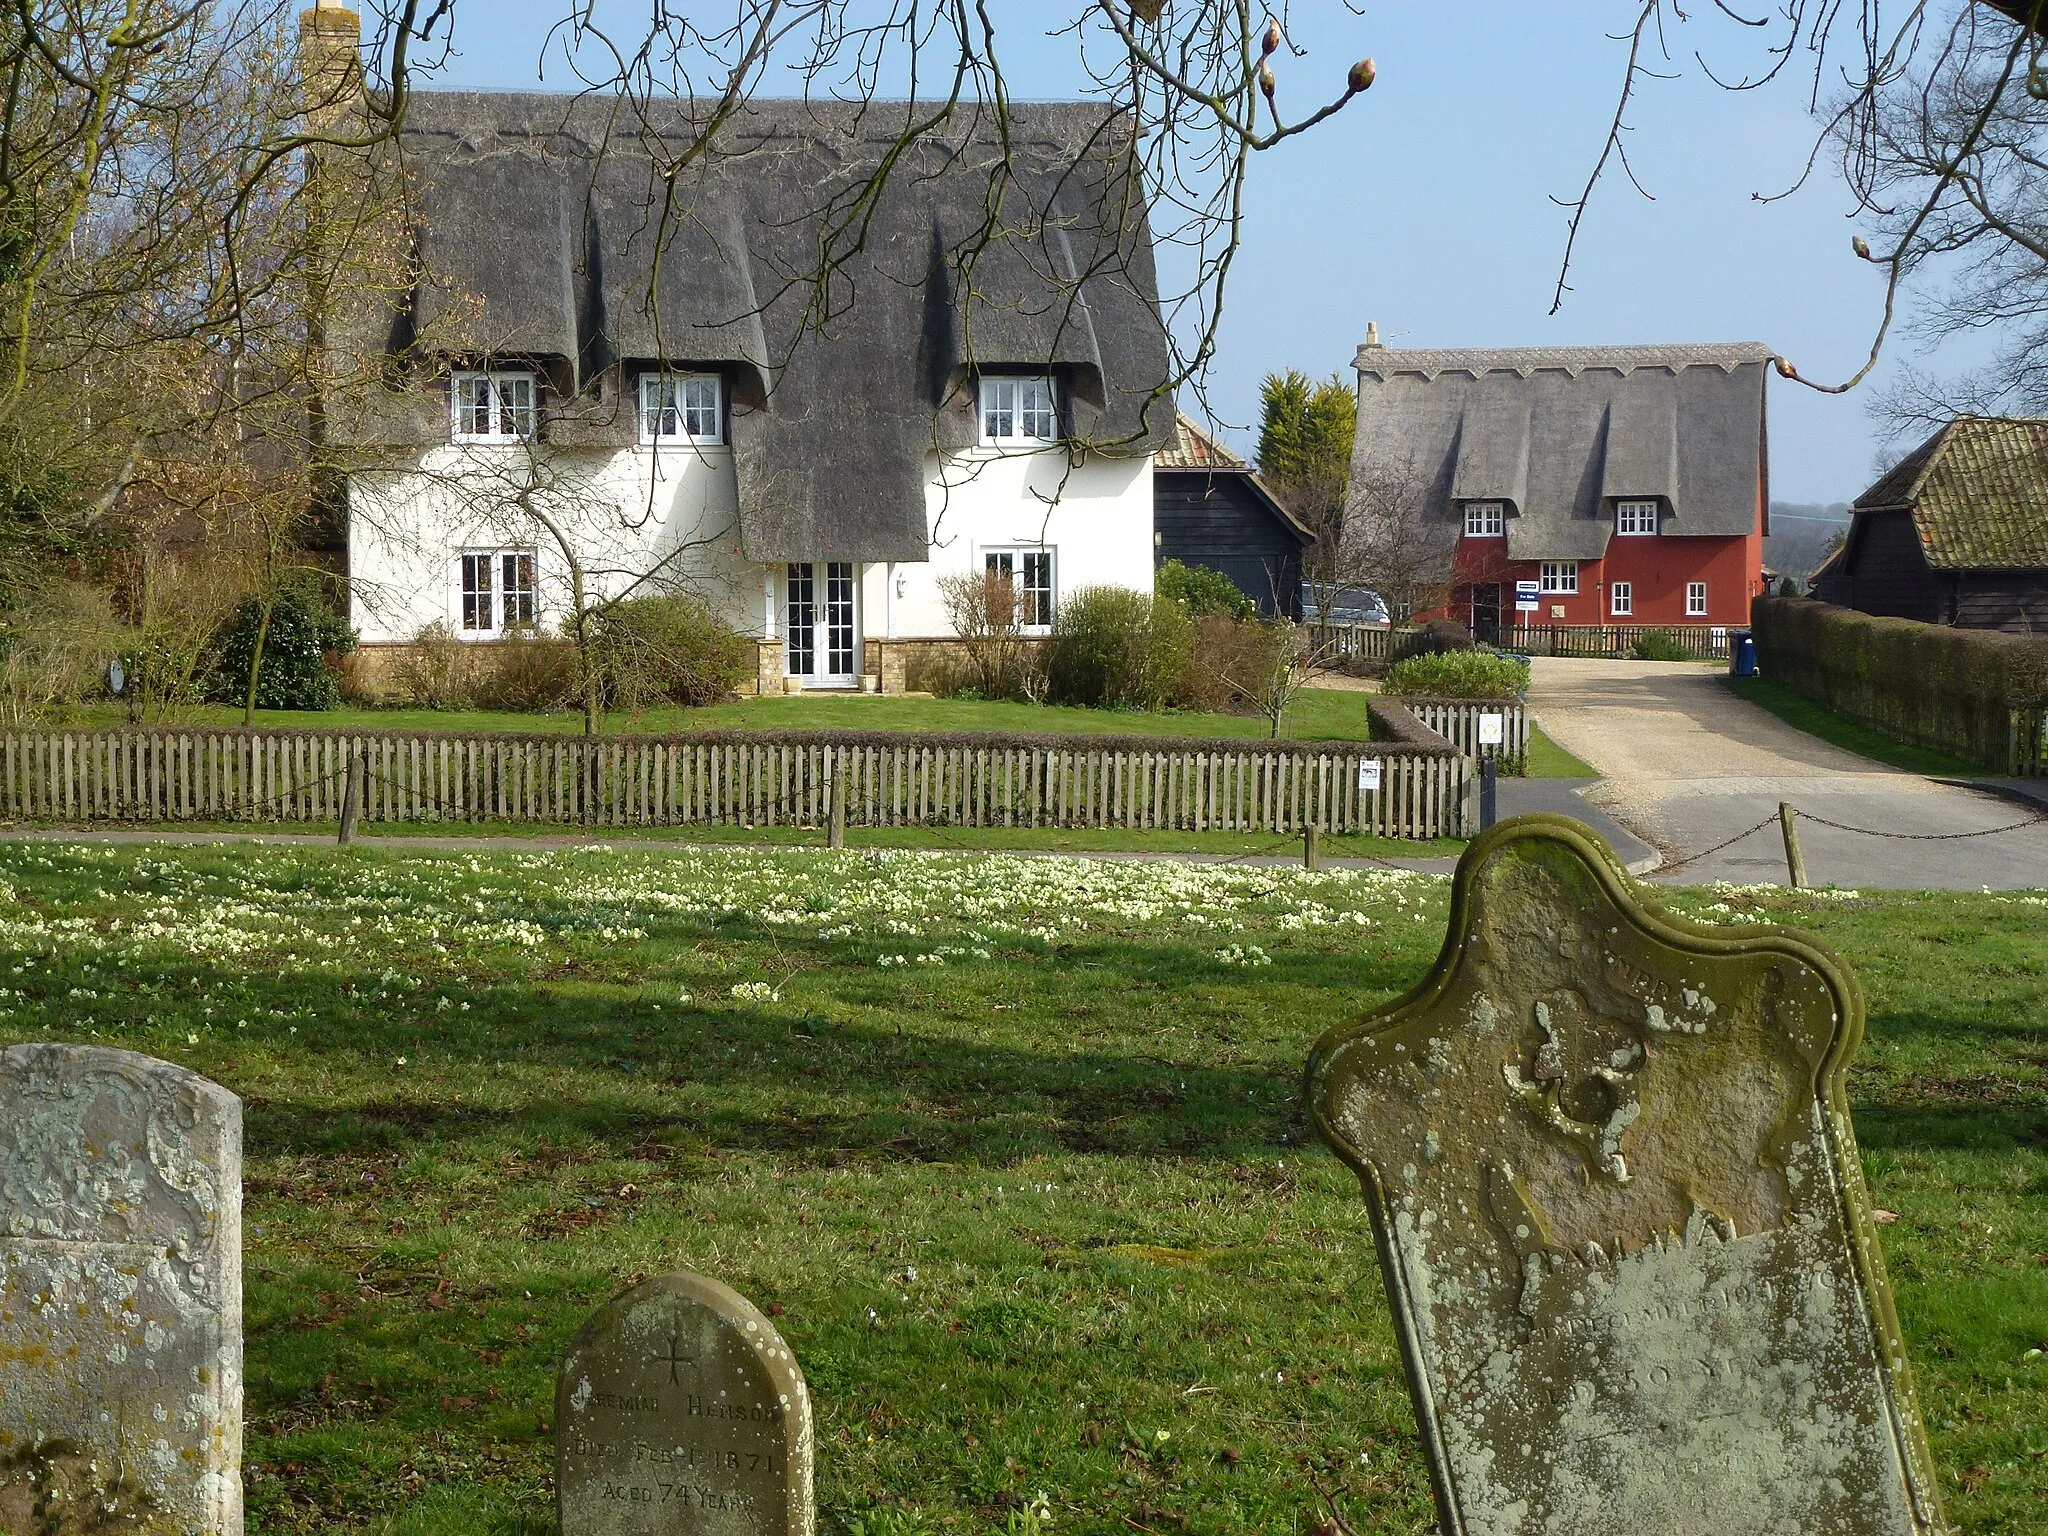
[{"x": 1741, "y": 653}]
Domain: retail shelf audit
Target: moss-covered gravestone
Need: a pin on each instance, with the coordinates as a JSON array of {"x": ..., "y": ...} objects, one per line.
[
  {"x": 120, "y": 1294},
  {"x": 1620, "y": 1216},
  {"x": 679, "y": 1408}
]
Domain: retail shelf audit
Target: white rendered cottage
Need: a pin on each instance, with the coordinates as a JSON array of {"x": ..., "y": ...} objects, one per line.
[{"x": 557, "y": 404}]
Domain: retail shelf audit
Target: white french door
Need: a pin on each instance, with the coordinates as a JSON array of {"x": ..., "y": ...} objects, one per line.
[{"x": 822, "y": 644}]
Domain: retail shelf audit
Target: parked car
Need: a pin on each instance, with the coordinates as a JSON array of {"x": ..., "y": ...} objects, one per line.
[{"x": 1347, "y": 605}]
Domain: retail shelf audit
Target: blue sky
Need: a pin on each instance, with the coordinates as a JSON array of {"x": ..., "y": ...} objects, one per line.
[{"x": 1425, "y": 205}]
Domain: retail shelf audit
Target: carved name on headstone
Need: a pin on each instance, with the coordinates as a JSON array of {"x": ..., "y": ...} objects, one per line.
[
  {"x": 1620, "y": 1216},
  {"x": 679, "y": 1407},
  {"x": 121, "y": 1278}
]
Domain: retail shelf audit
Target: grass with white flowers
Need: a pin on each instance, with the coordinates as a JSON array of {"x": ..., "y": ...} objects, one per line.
[{"x": 1011, "y": 1148}]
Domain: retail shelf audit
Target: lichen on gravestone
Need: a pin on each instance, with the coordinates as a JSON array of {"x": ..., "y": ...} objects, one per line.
[
  {"x": 120, "y": 1292},
  {"x": 1620, "y": 1216},
  {"x": 679, "y": 1407}
]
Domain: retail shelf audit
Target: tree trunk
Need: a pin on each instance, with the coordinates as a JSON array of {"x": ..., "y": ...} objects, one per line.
[{"x": 256, "y": 663}]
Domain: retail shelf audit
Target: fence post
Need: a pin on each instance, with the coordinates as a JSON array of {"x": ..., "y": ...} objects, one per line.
[
  {"x": 1795, "y": 863},
  {"x": 1311, "y": 847},
  {"x": 1489, "y": 772},
  {"x": 351, "y": 797},
  {"x": 835, "y": 836}
]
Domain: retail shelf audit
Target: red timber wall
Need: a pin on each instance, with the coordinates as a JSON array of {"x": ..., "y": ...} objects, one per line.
[{"x": 1657, "y": 567}]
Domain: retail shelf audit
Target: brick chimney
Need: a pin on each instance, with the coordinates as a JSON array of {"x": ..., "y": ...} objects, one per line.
[{"x": 330, "y": 64}]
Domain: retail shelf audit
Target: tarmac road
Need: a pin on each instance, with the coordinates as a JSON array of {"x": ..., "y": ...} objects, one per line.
[{"x": 1688, "y": 765}]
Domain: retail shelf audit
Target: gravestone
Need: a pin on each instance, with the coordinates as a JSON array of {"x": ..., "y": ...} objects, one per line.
[
  {"x": 1620, "y": 1216},
  {"x": 679, "y": 1408},
  {"x": 120, "y": 1285}
]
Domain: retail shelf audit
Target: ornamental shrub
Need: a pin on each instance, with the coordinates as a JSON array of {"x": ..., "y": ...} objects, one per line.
[
  {"x": 666, "y": 649},
  {"x": 523, "y": 672},
  {"x": 1114, "y": 648},
  {"x": 1655, "y": 645},
  {"x": 1434, "y": 638},
  {"x": 293, "y": 672},
  {"x": 1458, "y": 675},
  {"x": 1201, "y": 591}
]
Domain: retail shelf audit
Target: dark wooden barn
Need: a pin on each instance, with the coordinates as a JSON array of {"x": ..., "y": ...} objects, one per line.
[
  {"x": 1955, "y": 533},
  {"x": 1210, "y": 510}
]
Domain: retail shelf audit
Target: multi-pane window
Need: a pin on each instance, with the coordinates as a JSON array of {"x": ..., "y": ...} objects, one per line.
[
  {"x": 493, "y": 407},
  {"x": 681, "y": 408},
  {"x": 1017, "y": 410},
  {"x": 1622, "y": 598},
  {"x": 1560, "y": 576},
  {"x": 498, "y": 591},
  {"x": 1635, "y": 517},
  {"x": 1030, "y": 575},
  {"x": 1485, "y": 520},
  {"x": 1696, "y": 599}
]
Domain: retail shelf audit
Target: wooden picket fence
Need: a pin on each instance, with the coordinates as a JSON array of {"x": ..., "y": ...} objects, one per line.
[
  {"x": 1457, "y": 721},
  {"x": 171, "y": 774},
  {"x": 1706, "y": 641},
  {"x": 1373, "y": 642}
]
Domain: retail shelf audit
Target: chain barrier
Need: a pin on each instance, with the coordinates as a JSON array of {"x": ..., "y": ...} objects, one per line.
[
  {"x": 1922, "y": 837},
  {"x": 1693, "y": 858}
]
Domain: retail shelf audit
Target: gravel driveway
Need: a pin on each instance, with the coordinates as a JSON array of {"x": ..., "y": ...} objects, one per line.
[{"x": 1688, "y": 764}]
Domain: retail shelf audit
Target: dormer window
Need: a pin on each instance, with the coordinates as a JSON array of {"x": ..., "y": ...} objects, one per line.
[
  {"x": 1635, "y": 517},
  {"x": 495, "y": 407},
  {"x": 1018, "y": 410},
  {"x": 681, "y": 408},
  {"x": 1486, "y": 520}
]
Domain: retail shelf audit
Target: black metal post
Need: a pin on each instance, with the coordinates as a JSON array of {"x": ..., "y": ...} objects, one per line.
[{"x": 1489, "y": 774}]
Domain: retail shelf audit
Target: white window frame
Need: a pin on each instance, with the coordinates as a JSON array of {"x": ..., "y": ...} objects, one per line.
[
  {"x": 1018, "y": 410},
  {"x": 1559, "y": 577},
  {"x": 1695, "y": 599},
  {"x": 507, "y": 420},
  {"x": 1621, "y": 599},
  {"x": 684, "y": 417},
  {"x": 500, "y": 572},
  {"x": 1486, "y": 519},
  {"x": 1039, "y": 600},
  {"x": 1635, "y": 519}
]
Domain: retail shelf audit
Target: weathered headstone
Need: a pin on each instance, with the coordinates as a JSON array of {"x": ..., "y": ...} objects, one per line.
[
  {"x": 121, "y": 1283},
  {"x": 679, "y": 1408},
  {"x": 1621, "y": 1220}
]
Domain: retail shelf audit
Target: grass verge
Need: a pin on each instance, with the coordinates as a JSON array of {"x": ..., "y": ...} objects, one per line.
[
  {"x": 1547, "y": 760},
  {"x": 1014, "y": 1146},
  {"x": 1074, "y": 840},
  {"x": 1318, "y": 714},
  {"x": 1802, "y": 713}
]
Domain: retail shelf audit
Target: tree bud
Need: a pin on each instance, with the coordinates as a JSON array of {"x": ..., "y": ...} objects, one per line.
[
  {"x": 1785, "y": 368},
  {"x": 1860, "y": 246},
  {"x": 1273, "y": 40},
  {"x": 1362, "y": 75},
  {"x": 1266, "y": 80}
]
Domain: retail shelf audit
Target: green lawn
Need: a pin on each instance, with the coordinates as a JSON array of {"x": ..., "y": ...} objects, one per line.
[
  {"x": 1850, "y": 735},
  {"x": 1012, "y": 1147},
  {"x": 1547, "y": 760},
  {"x": 1319, "y": 714}
]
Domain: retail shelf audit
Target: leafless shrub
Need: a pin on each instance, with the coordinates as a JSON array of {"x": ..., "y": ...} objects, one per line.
[
  {"x": 435, "y": 670},
  {"x": 987, "y": 614}
]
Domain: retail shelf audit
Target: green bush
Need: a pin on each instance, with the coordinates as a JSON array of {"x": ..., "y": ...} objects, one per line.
[
  {"x": 1201, "y": 591},
  {"x": 523, "y": 672},
  {"x": 1953, "y": 689},
  {"x": 1113, "y": 648},
  {"x": 293, "y": 672},
  {"x": 662, "y": 649},
  {"x": 1457, "y": 675},
  {"x": 1655, "y": 645},
  {"x": 1434, "y": 639}
]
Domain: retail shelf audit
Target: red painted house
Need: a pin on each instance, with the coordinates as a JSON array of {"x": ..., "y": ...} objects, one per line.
[{"x": 1631, "y": 484}]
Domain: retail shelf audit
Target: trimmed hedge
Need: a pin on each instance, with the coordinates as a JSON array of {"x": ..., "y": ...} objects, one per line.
[{"x": 1973, "y": 692}]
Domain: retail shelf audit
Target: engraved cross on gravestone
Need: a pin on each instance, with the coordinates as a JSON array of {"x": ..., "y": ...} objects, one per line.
[
  {"x": 1621, "y": 1219},
  {"x": 121, "y": 1283},
  {"x": 679, "y": 1407}
]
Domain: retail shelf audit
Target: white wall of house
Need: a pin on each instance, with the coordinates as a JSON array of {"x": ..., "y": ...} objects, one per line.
[{"x": 627, "y": 510}]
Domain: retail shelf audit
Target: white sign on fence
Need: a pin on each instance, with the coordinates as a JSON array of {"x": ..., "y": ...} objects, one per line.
[
  {"x": 1492, "y": 730},
  {"x": 1369, "y": 773}
]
